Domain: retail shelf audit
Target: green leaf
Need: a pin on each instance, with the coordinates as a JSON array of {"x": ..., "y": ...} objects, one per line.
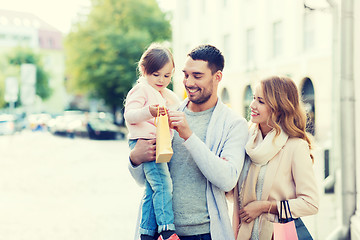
[{"x": 102, "y": 52}]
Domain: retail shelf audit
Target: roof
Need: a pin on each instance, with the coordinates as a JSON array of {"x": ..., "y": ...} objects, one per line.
[{"x": 23, "y": 19}]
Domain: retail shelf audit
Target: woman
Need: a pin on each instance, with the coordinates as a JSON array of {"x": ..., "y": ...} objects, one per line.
[{"x": 279, "y": 163}]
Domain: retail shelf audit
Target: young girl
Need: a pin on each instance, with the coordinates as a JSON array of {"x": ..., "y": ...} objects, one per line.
[
  {"x": 280, "y": 165},
  {"x": 156, "y": 67}
]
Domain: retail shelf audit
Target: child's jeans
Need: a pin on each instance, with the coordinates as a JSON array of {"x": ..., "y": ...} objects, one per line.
[{"x": 156, "y": 212}]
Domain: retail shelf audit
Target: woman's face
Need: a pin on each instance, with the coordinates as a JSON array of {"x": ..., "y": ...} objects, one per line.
[{"x": 260, "y": 111}]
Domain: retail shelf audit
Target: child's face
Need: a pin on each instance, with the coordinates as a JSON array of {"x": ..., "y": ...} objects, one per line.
[{"x": 161, "y": 78}]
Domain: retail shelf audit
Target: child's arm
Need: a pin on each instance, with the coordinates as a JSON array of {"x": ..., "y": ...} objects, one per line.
[{"x": 136, "y": 109}]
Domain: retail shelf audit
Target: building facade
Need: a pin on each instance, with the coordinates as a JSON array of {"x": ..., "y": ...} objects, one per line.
[
  {"x": 355, "y": 220},
  {"x": 278, "y": 37},
  {"x": 27, "y": 30}
]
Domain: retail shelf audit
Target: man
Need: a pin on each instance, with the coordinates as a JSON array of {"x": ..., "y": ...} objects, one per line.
[{"x": 208, "y": 149}]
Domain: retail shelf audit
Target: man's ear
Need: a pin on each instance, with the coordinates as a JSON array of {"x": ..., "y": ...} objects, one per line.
[{"x": 218, "y": 76}]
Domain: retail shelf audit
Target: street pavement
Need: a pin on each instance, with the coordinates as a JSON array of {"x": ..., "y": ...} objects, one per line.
[{"x": 54, "y": 188}]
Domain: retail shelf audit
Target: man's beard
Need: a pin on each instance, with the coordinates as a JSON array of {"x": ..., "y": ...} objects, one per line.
[{"x": 203, "y": 98}]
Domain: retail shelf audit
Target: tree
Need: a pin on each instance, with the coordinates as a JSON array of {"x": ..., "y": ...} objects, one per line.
[
  {"x": 103, "y": 50},
  {"x": 21, "y": 55}
]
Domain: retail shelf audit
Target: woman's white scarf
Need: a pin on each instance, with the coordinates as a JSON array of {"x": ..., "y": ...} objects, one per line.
[{"x": 261, "y": 151}]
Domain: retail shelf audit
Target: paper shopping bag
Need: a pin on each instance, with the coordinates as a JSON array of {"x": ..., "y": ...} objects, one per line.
[
  {"x": 164, "y": 150},
  {"x": 285, "y": 231}
]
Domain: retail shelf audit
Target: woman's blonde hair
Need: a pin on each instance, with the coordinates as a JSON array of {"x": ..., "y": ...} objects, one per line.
[{"x": 287, "y": 112}]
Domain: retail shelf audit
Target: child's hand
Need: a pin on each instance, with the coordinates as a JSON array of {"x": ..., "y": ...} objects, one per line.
[
  {"x": 153, "y": 110},
  {"x": 162, "y": 110}
]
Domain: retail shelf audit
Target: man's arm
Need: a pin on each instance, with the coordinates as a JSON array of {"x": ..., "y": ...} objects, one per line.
[
  {"x": 144, "y": 151},
  {"x": 222, "y": 168},
  {"x": 222, "y": 173}
]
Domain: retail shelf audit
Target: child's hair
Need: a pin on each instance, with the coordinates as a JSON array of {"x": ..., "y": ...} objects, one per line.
[
  {"x": 155, "y": 58},
  {"x": 282, "y": 96}
]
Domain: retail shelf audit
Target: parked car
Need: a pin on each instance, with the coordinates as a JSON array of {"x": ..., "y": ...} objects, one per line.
[
  {"x": 71, "y": 124},
  {"x": 101, "y": 127},
  {"x": 39, "y": 122},
  {"x": 10, "y": 123}
]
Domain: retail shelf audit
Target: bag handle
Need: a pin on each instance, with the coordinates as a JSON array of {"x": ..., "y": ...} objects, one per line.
[
  {"x": 288, "y": 207},
  {"x": 285, "y": 204},
  {"x": 158, "y": 114}
]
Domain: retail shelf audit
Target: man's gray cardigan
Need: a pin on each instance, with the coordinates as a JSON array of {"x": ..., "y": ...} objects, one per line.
[{"x": 220, "y": 159}]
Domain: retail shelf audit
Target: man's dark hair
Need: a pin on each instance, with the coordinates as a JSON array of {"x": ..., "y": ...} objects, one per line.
[{"x": 210, "y": 54}]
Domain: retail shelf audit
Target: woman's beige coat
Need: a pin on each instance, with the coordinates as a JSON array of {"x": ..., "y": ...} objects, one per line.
[{"x": 289, "y": 176}]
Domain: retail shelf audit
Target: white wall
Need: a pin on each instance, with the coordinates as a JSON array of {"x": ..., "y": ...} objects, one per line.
[
  {"x": 195, "y": 23},
  {"x": 355, "y": 221}
]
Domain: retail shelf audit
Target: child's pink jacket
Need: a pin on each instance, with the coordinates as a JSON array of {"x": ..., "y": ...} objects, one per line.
[{"x": 139, "y": 120}]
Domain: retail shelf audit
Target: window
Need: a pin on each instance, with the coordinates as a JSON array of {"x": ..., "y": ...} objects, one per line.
[
  {"x": 4, "y": 20},
  {"x": 17, "y": 21},
  {"x": 277, "y": 39},
  {"x": 47, "y": 61},
  {"x": 203, "y": 6},
  {"x": 51, "y": 42},
  {"x": 248, "y": 97},
  {"x": 25, "y": 39},
  {"x": 308, "y": 99},
  {"x": 225, "y": 97},
  {"x": 26, "y": 22},
  {"x": 328, "y": 175},
  {"x": 308, "y": 31},
  {"x": 186, "y": 9},
  {"x": 250, "y": 46}
]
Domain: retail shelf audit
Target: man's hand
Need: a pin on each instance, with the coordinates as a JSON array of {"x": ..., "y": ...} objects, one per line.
[
  {"x": 178, "y": 122},
  {"x": 144, "y": 151}
]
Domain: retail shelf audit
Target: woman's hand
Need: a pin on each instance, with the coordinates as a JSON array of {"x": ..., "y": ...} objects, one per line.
[{"x": 252, "y": 210}]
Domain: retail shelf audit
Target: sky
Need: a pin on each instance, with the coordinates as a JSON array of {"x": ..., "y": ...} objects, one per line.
[{"x": 58, "y": 13}]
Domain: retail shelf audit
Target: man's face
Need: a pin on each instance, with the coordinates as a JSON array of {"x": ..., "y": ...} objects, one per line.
[{"x": 198, "y": 80}]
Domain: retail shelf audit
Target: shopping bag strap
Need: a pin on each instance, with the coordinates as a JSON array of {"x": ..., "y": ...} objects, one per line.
[
  {"x": 158, "y": 114},
  {"x": 288, "y": 208},
  {"x": 284, "y": 204}
]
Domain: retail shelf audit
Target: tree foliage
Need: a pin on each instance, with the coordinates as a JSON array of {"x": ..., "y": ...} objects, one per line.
[
  {"x": 103, "y": 50},
  {"x": 21, "y": 55}
]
